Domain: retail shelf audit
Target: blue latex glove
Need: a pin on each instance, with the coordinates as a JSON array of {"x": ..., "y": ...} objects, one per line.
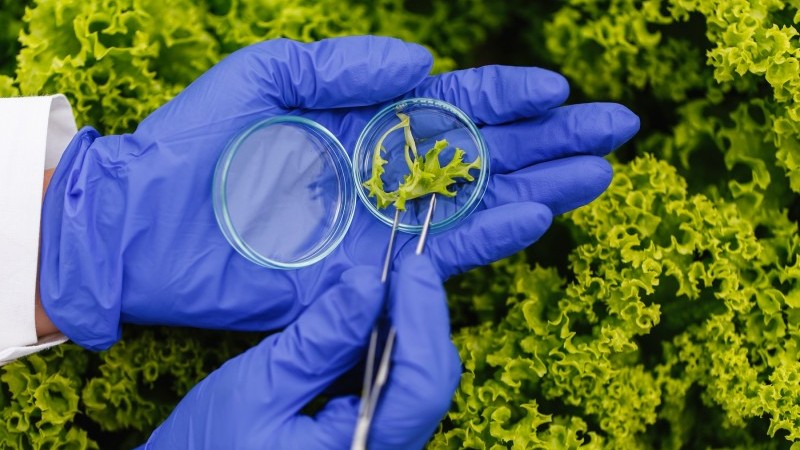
[
  {"x": 129, "y": 232},
  {"x": 254, "y": 400}
]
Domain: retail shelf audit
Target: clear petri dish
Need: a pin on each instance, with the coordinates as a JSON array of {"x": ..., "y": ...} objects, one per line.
[
  {"x": 283, "y": 192},
  {"x": 430, "y": 121}
]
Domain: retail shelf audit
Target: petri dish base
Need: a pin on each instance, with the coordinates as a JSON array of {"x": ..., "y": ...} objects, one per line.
[
  {"x": 431, "y": 120},
  {"x": 283, "y": 192}
]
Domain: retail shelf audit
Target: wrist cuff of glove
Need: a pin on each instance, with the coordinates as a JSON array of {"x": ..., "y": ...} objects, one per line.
[{"x": 80, "y": 277}]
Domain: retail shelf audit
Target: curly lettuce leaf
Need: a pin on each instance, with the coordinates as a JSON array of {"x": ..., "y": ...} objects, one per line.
[
  {"x": 429, "y": 177},
  {"x": 426, "y": 174}
]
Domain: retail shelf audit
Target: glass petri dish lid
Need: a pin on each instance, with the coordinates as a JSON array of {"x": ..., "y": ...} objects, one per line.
[
  {"x": 429, "y": 121},
  {"x": 283, "y": 192}
]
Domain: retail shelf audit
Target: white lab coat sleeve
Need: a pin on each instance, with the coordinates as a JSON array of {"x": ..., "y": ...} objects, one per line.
[{"x": 34, "y": 131}]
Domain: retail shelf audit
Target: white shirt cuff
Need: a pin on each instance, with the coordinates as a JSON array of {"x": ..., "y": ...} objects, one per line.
[
  {"x": 34, "y": 131},
  {"x": 12, "y": 354}
]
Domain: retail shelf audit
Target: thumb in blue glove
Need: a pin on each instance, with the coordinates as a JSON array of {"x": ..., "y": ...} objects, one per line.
[{"x": 254, "y": 400}]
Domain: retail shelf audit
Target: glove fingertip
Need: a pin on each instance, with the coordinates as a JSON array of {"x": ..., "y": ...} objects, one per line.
[
  {"x": 552, "y": 87},
  {"x": 422, "y": 56},
  {"x": 604, "y": 173},
  {"x": 411, "y": 63},
  {"x": 596, "y": 175},
  {"x": 625, "y": 123},
  {"x": 535, "y": 213}
]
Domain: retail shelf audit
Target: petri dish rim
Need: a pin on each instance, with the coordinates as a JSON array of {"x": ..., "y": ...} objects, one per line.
[
  {"x": 482, "y": 179},
  {"x": 344, "y": 213}
]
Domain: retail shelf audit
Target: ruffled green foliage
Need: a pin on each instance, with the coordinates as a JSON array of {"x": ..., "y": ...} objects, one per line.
[
  {"x": 118, "y": 60},
  {"x": 674, "y": 321},
  {"x": 10, "y": 25},
  {"x": 7, "y": 88},
  {"x": 450, "y": 29},
  {"x": 11, "y": 12},
  {"x": 115, "y": 60},
  {"x": 742, "y": 55},
  {"x": 676, "y": 317},
  {"x": 39, "y": 400},
  {"x": 57, "y": 398}
]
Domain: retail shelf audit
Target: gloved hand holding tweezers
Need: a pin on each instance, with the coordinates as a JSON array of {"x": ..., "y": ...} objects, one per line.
[{"x": 254, "y": 400}]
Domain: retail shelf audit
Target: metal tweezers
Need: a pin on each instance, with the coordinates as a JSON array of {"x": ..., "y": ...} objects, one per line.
[{"x": 372, "y": 387}]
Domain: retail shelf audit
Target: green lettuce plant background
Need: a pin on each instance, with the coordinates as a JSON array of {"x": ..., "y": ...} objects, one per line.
[{"x": 664, "y": 315}]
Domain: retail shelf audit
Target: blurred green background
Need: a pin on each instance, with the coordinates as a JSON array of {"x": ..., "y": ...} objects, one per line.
[{"x": 664, "y": 315}]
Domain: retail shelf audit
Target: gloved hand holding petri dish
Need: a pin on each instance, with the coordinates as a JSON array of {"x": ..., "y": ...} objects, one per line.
[
  {"x": 284, "y": 195},
  {"x": 284, "y": 188}
]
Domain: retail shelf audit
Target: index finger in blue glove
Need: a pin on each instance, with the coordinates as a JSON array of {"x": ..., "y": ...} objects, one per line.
[
  {"x": 280, "y": 75},
  {"x": 426, "y": 367},
  {"x": 345, "y": 72},
  {"x": 584, "y": 129},
  {"x": 498, "y": 94}
]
